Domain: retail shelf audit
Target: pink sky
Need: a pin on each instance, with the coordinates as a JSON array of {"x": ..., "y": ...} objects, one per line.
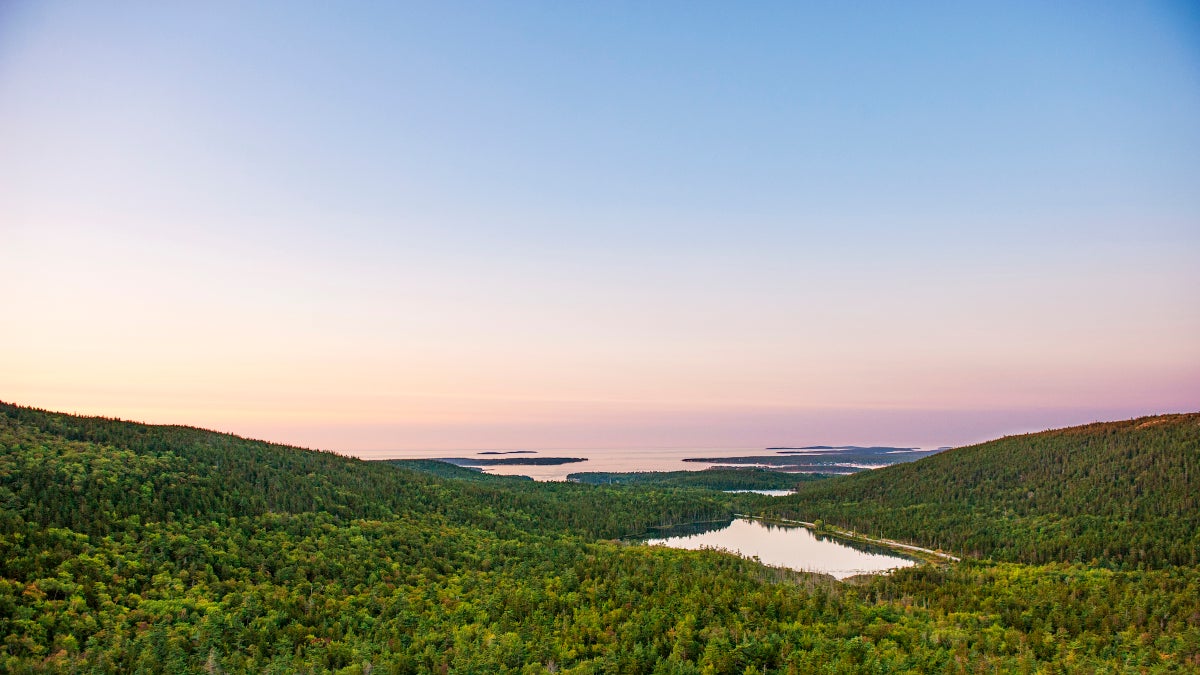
[{"x": 399, "y": 228}]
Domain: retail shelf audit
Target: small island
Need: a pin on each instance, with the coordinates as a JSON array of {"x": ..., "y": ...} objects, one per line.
[
  {"x": 715, "y": 478},
  {"x": 511, "y": 461},
  {"x": 831, "y": 460},
  {"x": 855, "y": 448}
]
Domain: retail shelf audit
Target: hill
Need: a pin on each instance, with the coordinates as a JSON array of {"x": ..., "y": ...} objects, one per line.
[
  {"x": 447, "y": 470},
  {"x": 129, "y": 548},
  {"x": 1124, "y": 494},
  {"x": 91, "y": 474}
]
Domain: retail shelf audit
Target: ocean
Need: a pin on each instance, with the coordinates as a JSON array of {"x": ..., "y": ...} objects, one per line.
[{"x": 825, "y": 459}]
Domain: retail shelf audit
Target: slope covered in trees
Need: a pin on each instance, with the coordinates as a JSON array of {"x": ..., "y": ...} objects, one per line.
[
  {"x": 134, "y": 548},
  {"x": 90, "y": 474},
  {"x": 1124, "y": 494},
  {"x": 447, "y": 470}
]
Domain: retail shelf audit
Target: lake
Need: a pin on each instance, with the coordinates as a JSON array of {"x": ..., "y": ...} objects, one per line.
[
  {"x": 793, "y": 547},
  {"x": 769, "y": 493}
]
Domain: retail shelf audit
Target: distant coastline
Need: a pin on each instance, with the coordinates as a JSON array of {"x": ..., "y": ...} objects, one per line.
[
  {"x": 511, "y": 461},
  {"x": 858, "y": 448}
]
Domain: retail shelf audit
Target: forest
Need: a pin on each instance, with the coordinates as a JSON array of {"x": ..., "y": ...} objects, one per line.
[
  {"x": 127, "y": 548},
  {"x": 1121, "y": 495}
]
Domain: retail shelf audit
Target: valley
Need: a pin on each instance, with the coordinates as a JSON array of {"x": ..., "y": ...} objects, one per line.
[{"x": 129, "y": 547}]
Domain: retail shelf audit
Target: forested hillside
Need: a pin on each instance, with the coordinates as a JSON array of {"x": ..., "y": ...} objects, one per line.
[
  {"x": 447, "y": 470},
  {"x": 1123, "y": 494},
  {"x": 91, "y": 474},
  {"x": 133, "y": 548}
]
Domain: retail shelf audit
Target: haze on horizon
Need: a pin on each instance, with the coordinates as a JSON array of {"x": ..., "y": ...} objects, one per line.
[{"x": 473, "y": 225}]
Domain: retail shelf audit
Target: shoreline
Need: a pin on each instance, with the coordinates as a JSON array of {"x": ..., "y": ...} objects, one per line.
[{"x": 855, "y": 536}]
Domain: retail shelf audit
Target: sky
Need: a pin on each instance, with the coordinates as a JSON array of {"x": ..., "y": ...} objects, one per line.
[{"x": 383, "y": 226}]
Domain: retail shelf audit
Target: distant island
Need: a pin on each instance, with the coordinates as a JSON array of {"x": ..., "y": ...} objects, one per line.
[
  {"x": 507, "y": 452},
  {"x": 511, "y": 461},
  {"x": 860, "y": 448},
  {"x": 784, "y": 464},
  {"x": 833, "y": 460},
  {"x": 715, "y": 478}
]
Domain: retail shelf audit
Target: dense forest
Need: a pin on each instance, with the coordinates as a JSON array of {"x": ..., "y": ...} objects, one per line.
[
  {"x": 513, "y": 461},
  {"x": 821, "y": 459},
  {"x": 1117, "y": 494},
  {"x": 447, "y": 470},
  {"x": 127, "y": 547}
]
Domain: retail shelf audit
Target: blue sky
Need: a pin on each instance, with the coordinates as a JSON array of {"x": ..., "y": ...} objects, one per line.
[{"x": 368, "y": 225}]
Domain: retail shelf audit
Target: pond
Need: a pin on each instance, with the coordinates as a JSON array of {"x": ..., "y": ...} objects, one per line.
[
  {"x": 769, "y": 493},
  {"x": 794, "y": 547}
]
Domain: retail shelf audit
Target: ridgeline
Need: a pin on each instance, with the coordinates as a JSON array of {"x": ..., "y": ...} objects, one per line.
[{"x": 1119, "y": 494}]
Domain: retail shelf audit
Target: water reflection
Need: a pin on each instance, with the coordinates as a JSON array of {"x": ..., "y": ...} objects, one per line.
[
  {"x": 769, "y": 493},
  {"x": 784, "y": 546}
]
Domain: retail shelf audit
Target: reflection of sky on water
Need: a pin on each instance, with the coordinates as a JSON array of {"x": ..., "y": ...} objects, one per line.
[
  {"x": 614, "y": 460},
  {"x": 769, "y": 493},
  {"x": 792, "y": 547}
]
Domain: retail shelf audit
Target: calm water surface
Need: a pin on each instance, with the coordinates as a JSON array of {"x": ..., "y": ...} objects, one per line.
[
  {"x": 637, "y": 459},
  {"x": 769, "y": 493},
  {"x": 796, "y": 548}
]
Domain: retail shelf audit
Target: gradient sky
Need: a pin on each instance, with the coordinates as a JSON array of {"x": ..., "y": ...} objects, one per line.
[{"x": 362, "y": 227}]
